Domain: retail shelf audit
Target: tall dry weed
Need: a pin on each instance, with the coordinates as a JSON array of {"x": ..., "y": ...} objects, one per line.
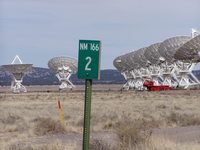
[
  {"x": 12, "y": 123},
  {"x": 134, "y": 134},
  {"x": 98, "y": 144},
  {"x": 45, "y": 126},
  {"x": 10, "y": 119}
]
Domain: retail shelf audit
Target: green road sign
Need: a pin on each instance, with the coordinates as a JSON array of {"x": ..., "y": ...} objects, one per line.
[{"x": 89, "y": 59}]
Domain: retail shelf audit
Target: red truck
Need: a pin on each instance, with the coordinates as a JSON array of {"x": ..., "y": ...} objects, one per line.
[{"x": 151, "y": 87}]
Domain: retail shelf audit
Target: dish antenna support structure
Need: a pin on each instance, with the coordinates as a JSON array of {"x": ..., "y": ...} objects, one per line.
[
  {"x": 187, "y": 78},
  {"x": 188, "y": 54},
  {"x": 17, "y": 59},
  {"x": 63, "y": 75},
  {"x": 152, "y": 63},
  {"x": 169, "y": 67},
  {"x": 63, "y": 67},
  {"x": 167, "y": 63},
  {"x": 123, "y": 69},
  {"x": 17, "y": 69}
]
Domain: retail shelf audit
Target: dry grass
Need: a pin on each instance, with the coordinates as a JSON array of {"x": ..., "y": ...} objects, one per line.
[
  {"x": 130, "y": 114},
  {"x": 135, "y": 133},
  {"x": 183, "y": 119},
  {"x": 98, "y": 144},
  {"x": 48, "y": 126}
]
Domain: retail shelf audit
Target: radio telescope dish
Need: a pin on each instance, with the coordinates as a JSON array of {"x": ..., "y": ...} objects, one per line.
[
  {"x": 63, "y": 67},
  {"x": 57, "y": 62},
  {"x": 127, "y": 62},
  {"x": 168, "y": 47},
  {"x": 131, "y": 60},
  {"x": 121, "y": 63},
  {"x": 152, "y": 54},
  {"x": 118, "y": 63},
  {"x": 18, "y": 71},
  {"x": 140, "y": 58},
  {"x": 190, "y": 51}
]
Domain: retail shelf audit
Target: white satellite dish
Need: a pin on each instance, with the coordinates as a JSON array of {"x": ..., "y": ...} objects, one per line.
[
  {"x": 63, "y": 67},
  {"x": 167, "y": 63},
  {"x": 18, "y": 71},
  {"x": 188, "y": 53}
]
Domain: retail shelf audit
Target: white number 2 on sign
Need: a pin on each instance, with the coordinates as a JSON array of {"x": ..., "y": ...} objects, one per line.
[{"x": 88, "y": 63}]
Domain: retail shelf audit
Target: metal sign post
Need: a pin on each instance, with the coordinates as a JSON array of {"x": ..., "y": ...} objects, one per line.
[
  {"x": 88, "y": 68},
  {"x": 87, "y": 112}
]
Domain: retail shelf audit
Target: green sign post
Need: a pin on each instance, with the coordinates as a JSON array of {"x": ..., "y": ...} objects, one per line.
[{"x": 88, "y": 68}]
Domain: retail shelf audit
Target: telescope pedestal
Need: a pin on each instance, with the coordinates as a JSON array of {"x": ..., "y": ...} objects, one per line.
[
  {"x": 132, "y": 82},
  {"x": 16, "y": 86},
  {"x": 169, "y": 80},
  {"x": 127, "y": 85},
  {"x": 138, "y": 79},
  {"x": 187, "y": 78},
  {"x": 154, "y": 72},
  {"x": 169, "y": 76},
  {"x": 63, "y": 75},
  {"x": 155, "y": 80},
  {"x": 129, "y": 80}
]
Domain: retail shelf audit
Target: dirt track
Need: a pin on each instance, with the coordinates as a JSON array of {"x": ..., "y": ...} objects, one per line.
[
  {"x": 188, "y": 134},
  {"x": 71, "y": 138},
  {"x": 182, "y": 134}
]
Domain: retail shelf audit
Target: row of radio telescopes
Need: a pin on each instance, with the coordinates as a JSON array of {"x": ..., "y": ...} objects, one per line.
[{"x": 165, "y": 63}]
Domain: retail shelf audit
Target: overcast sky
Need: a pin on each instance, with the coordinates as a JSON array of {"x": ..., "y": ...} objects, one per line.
[{"x": 38, "y": 30}]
